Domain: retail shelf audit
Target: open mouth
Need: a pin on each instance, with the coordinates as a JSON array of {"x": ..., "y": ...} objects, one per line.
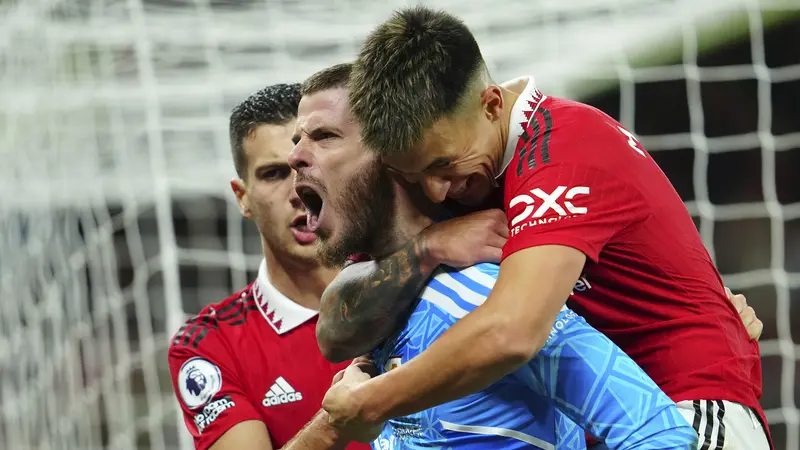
[
  {"x": 300, "y": 223},
  {"x": 301, "y": 232},
  {"x": 313, "y": 203}
]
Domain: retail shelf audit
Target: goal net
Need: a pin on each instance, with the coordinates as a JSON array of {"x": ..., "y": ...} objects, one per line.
[{"x": 116, "y": 220}]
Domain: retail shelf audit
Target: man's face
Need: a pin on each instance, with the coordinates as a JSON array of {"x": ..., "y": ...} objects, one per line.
[
  {"x": 347, "y": 192},
  {"x": 268, "y": 197},
  {"x": 456, "y": 157}
]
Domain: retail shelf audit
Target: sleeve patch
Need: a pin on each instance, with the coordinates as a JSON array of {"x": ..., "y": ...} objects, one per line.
[
  {"x": 211, "y": 411},
  {"x": 198, "y": 381}
]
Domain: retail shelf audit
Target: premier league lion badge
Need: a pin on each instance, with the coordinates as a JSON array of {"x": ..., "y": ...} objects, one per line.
[{"x": 198, "y": 382}]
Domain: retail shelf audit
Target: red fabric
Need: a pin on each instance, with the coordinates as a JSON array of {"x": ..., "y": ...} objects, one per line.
[
  {"x": 357, "y": 258},
  {"x": 578, "y": 180},
  {"x": 250, "y": 356}
]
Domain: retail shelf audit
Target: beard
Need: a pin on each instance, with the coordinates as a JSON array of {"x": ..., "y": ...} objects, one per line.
[{"x": 367, "y": 212}]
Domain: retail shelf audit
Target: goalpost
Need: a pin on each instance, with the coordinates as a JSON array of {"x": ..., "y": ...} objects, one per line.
[{"x": 115, "y": 217}]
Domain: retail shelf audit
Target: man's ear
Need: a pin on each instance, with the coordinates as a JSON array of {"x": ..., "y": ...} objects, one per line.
[
  {"x": 492, "y": 102},
  {"x": 239, "y": 189}
]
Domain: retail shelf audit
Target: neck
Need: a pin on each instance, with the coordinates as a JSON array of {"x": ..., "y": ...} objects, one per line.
[
  {"x": 510, "y": 96},
  {"x": 413, "y": 213},
  {"x": 301, "y": 281}
]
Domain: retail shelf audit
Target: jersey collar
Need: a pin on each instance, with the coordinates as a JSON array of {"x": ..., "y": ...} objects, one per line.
[
  {"x": 521, "y": 113},
  {"x": 278, "y": 310}
]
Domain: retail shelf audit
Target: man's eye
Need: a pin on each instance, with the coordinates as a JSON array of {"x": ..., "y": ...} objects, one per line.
[
  {"x": 321, "y": 136},
  {"x": 274, "y": 173},
  {"x": 440, "y": 164}
]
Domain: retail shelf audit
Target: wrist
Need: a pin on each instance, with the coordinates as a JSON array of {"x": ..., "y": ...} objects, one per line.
[
  {"x": 425, "y": 249},
  {"x": 372, "y": 403},
  {"x": 324, "y": 428}
]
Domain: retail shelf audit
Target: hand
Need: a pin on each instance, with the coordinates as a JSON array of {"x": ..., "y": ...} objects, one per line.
[
  {"x": 364, "y": 363},
  {"x": 747, "y": 314},
  {"x": 468, "y": 240},
  {"x": 342, "y": 404}
]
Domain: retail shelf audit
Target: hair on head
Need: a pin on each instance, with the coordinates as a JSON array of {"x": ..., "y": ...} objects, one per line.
[
  {"x": 333, "y": 77},
  {"x": 273, "y": 105},
  {"x": 413, "y": 69}
]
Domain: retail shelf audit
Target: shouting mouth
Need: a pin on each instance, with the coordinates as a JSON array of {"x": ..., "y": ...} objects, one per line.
[{"x": 314, "y": 206}]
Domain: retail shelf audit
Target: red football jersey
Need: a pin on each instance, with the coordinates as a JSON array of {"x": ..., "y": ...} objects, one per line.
[
  {"x": 253, "y": 356},
  {"x": 576, "y": 177}
]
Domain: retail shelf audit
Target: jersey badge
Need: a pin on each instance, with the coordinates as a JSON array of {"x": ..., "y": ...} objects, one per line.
[
  {"x": 198, "y": 381},
  {"x": 392, "y": 363}
]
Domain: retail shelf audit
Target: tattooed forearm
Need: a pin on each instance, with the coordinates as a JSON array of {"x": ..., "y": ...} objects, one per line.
[{"x": 369, "y": 301}]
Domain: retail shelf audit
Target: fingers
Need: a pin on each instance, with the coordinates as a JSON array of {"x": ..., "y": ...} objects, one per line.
[
  {"x": 747, "y": 314},
  {"x": 755, "y": 329},
  {"x": 354, "y": 372},
  {"x": 500, "y": 222},
  {"x": 362, "y": 359},
  {"x": 368, "y": 368},
  {"x": 492, "y": 255},
  {"x": 739, "y": 301},
  {"x": 496, "y": 241},
  {"x": 338, "y": 377}
]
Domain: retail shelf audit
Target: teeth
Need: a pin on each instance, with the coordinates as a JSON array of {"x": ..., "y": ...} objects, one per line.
[{"x": 311, "y": 221}]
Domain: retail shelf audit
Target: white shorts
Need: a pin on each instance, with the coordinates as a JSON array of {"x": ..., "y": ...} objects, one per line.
[{"x": 721, "y": 424}]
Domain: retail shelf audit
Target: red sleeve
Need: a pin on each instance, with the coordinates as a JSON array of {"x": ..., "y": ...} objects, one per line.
[
  {"x": 568, "y": 186},
  {"x": 206, "y": 382}
]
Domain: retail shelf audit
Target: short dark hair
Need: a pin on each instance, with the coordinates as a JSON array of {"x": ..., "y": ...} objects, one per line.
[
  {"x": 273, "y": 105},
  {"x": 333, "y": 77},
  {"x": 413, "y": 69}
]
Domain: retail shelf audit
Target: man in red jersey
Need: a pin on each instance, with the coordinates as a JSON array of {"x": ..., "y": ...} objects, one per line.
[
  {"x": 584, "y": 201},
  {"x": 247, "y": 371}
]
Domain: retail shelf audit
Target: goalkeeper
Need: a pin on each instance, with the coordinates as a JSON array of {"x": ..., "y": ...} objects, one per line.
[{"x": 584, "y": 201}]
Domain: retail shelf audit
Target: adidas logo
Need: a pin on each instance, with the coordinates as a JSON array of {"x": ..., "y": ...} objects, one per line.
[{"x": 281, "y": 393}]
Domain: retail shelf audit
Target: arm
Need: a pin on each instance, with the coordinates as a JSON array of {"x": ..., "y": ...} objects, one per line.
[
  {"x": 212, "y": 397},
  {"x": 368, "y": 301},
  {"x": 475, "y": 352},
  {"x": 253, "y": 435}
]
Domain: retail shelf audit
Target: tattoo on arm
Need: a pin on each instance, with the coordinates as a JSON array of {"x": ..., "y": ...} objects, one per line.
[{"x": 367, "y": 302}]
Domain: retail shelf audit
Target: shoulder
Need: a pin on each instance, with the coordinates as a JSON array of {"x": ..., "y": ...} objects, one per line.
[
  {"x": 575, "y": 128},
  {"x": 207, "y": 328}
]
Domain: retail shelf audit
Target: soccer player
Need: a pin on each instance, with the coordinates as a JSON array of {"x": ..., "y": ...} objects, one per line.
[
  {"x": 247, "y": 371},
  {"x": 579, "y": 376},
  {"x": 584, "y": 201}
]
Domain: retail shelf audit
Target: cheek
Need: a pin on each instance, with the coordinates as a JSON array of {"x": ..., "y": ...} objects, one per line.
[{"x": 265, "y": 202}]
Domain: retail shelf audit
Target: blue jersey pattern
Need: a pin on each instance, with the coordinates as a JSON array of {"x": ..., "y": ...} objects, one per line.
[{"x": 580, "y": 380}]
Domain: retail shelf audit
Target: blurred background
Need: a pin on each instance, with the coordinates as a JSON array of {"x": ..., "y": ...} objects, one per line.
[{"x": 116, "y": 220}]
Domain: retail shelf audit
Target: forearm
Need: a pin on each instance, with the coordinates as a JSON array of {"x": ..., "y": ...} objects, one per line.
[
  {"x": 470, "y": 356},
  {"x": 367, "y": 302},
  {"x": 316, "y": 435}
]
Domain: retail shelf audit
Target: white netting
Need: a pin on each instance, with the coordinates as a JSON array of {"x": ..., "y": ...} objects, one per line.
[{"x": 114, "y": 211}]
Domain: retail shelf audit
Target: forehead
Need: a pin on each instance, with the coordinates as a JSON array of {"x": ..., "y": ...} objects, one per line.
[
  {"x": 269, "y": 142},
  {"x": 439, "y": 141},
  {"x": 328, "y": 108}
]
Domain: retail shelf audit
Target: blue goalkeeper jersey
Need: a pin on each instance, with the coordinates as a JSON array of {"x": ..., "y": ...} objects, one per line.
[{"x": 580, "y": 380}]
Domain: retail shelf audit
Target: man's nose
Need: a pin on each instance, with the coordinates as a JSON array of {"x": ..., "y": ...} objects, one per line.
[
  {"x": 436, "y": 188},
  {"x": 299, "y": 157}
]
